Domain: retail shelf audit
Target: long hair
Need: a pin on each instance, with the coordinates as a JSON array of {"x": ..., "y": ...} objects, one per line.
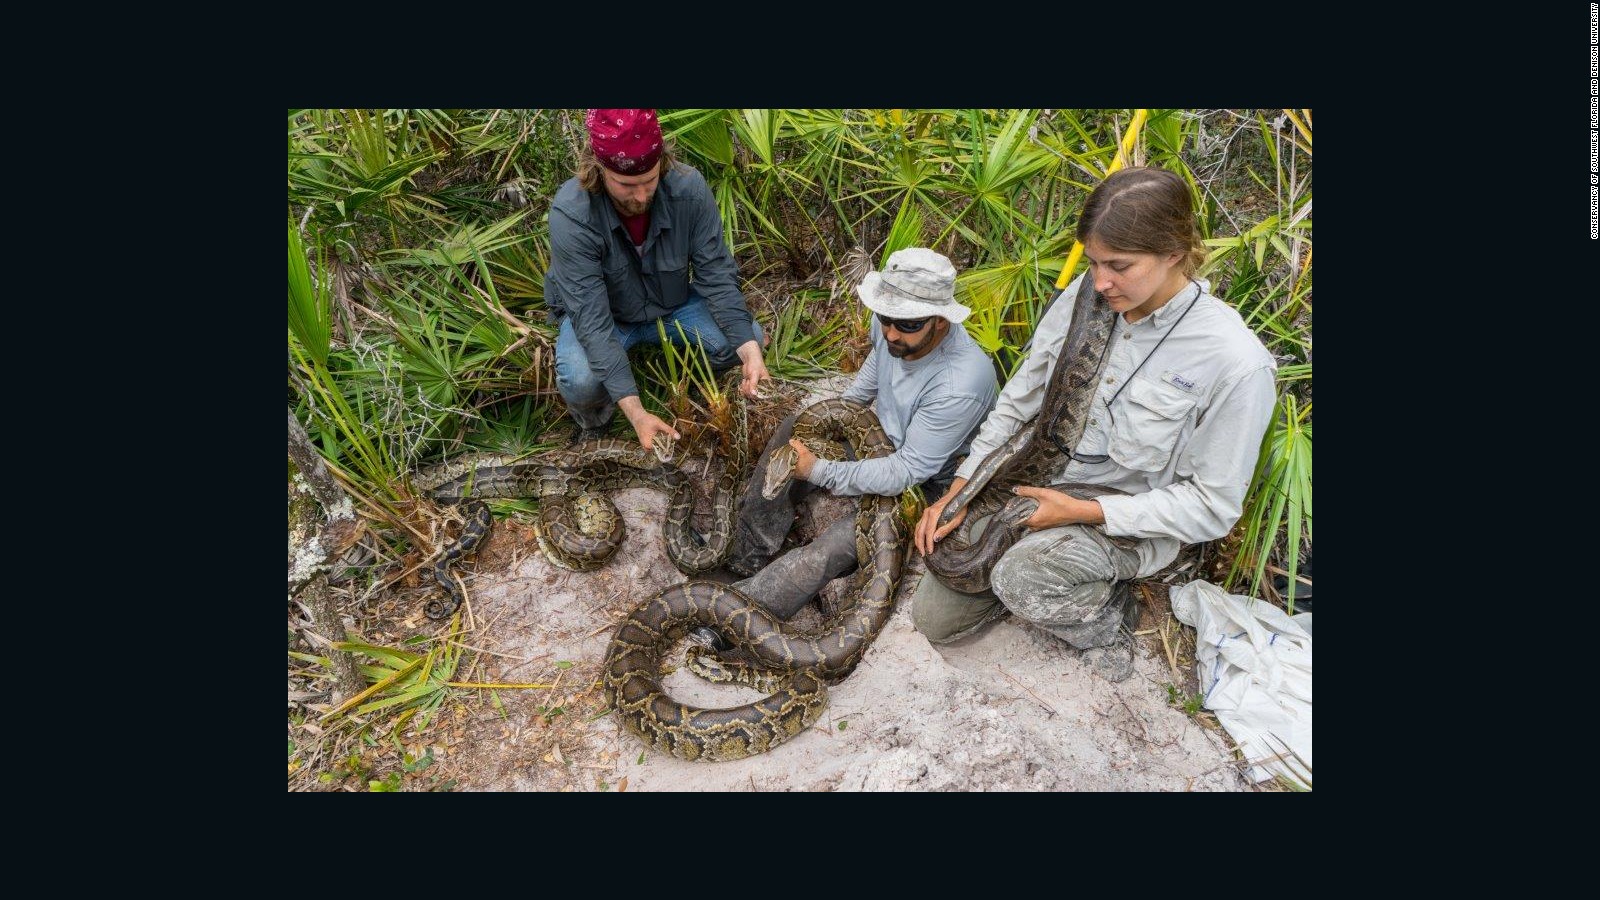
[
  {"x": 589, "y": 177},
  {"x": 1144, "y": 210}
]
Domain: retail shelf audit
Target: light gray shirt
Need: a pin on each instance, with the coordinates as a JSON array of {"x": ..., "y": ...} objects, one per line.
[
  {"x": 930, "y": 408},
  {"x": 1182, "y": 437}
]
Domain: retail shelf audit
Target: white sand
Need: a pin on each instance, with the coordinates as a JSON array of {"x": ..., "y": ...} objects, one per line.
[{"x": 1011, "y": 708}]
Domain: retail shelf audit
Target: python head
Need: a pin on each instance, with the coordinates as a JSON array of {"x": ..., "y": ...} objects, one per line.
[
  {"x": 662, "y": 447},
  {"x": 779, "y": 472}
]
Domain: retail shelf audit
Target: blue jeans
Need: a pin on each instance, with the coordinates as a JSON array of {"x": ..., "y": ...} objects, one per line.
[{"x": 582, "y": 389}]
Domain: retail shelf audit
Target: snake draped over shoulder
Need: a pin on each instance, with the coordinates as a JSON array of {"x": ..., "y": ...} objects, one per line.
[
  {"x": 797, "y": 667},
  {"x": 1033, "y": 456}
]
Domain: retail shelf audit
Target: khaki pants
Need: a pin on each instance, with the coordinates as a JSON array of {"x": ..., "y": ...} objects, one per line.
[{"x": 1060, "y": 579}]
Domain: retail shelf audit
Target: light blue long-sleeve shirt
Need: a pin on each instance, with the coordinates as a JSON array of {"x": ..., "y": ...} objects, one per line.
[
  {"x": 1182, "y": 440},
  {"x": 930, "y": 408}
]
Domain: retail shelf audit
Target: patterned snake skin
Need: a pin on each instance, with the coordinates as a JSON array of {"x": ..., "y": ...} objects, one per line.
[
  {"x": 1032, "y": 456},
  {"x": 577, "y": 527},
  {"x": 796, "y": 666}
]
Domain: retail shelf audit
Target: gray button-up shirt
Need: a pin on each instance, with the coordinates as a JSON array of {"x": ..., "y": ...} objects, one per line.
[
  {"x": 1182, "y": 438},
  {"x": 599, "y": 279},
  {"x": 929, "y": 407}
]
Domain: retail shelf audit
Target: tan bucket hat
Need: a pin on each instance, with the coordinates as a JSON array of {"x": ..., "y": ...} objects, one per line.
[{"x": 915, "y": 283}]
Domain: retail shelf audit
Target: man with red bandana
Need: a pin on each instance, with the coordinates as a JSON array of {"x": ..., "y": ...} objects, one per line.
[{"x": 626, "y": 233}]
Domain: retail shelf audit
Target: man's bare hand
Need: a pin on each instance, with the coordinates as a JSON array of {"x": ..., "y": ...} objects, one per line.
[
  {"x": 804, "y": 459},
  {"x": 755, "y": 369},
  {"x": 648, "y": 427},
  {"x": 645, "y": 424}
]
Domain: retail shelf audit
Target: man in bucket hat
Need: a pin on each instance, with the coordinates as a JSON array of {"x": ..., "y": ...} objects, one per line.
[
  {"x": 625, "y": 235},
  {"x": 931, "y": 384}
]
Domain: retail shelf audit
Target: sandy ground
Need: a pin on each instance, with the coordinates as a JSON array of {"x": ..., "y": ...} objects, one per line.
[{"x": 1011, "y": 708}]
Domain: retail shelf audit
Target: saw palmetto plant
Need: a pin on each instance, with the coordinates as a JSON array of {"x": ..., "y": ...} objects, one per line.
[{"x": 418, "y": 244}]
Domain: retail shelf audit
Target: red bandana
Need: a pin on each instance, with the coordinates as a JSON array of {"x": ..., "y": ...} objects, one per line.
[{"x": 626, "y": 141}]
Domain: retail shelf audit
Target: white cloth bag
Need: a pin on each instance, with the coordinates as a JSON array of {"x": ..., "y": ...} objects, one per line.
[{"x": 1254, "y": 662}]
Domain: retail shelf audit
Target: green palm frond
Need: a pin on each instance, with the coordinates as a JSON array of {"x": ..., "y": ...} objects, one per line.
[
  {"x": 801, "y": 346},
  {"x": 310, "y": 304},
  {"x": 1004, "y": 298},
  {"x": 402, "y": 679},
  {"x": 996, "y": 162},
  {"x": 461, "y": 244},
  {"x": 1278, "y": 501},
  {"x": 905, "y": 232},
  {"x": 703, "y": 134}
]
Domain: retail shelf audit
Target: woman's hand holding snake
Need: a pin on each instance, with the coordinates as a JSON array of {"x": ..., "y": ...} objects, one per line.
[
  {"x": 1057, "y": 508},
  {"x": 928, "y": 530}
]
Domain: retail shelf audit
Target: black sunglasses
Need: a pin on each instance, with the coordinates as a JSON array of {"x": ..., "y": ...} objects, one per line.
[{"x": 903, "y": 326}]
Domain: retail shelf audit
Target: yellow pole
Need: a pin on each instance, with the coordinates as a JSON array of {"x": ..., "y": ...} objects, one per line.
[
  {"x": 1301, "y": 126},
  {"x": 1124, "y": 151}
]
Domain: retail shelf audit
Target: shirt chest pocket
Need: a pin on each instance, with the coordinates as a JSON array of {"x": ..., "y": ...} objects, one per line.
[
  {"x": 1148, "y": 419},
  {"x": 670, "y": 259},
  {"x": 671, "y": 272},
  {"x": 619, "y": 274}
]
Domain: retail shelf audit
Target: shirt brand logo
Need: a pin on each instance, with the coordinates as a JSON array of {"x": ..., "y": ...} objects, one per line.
[{"x": 1180, "y": 382}]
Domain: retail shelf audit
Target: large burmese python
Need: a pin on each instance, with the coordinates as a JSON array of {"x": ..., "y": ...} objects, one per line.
[
  {"x": 1034, "y": 455},
  {"x": 797, "y": 666},
  {"x": 577, "y": 527}
]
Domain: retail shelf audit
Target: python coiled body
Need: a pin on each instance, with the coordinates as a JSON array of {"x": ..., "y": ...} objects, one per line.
[
  {"x": 799, "y": 666},
  {"x": 1034, "y": 455},
  {"x": 692, "y": 552},
  {"x": 478, "y": 521},
  {"x": 577, "y": 527}
]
